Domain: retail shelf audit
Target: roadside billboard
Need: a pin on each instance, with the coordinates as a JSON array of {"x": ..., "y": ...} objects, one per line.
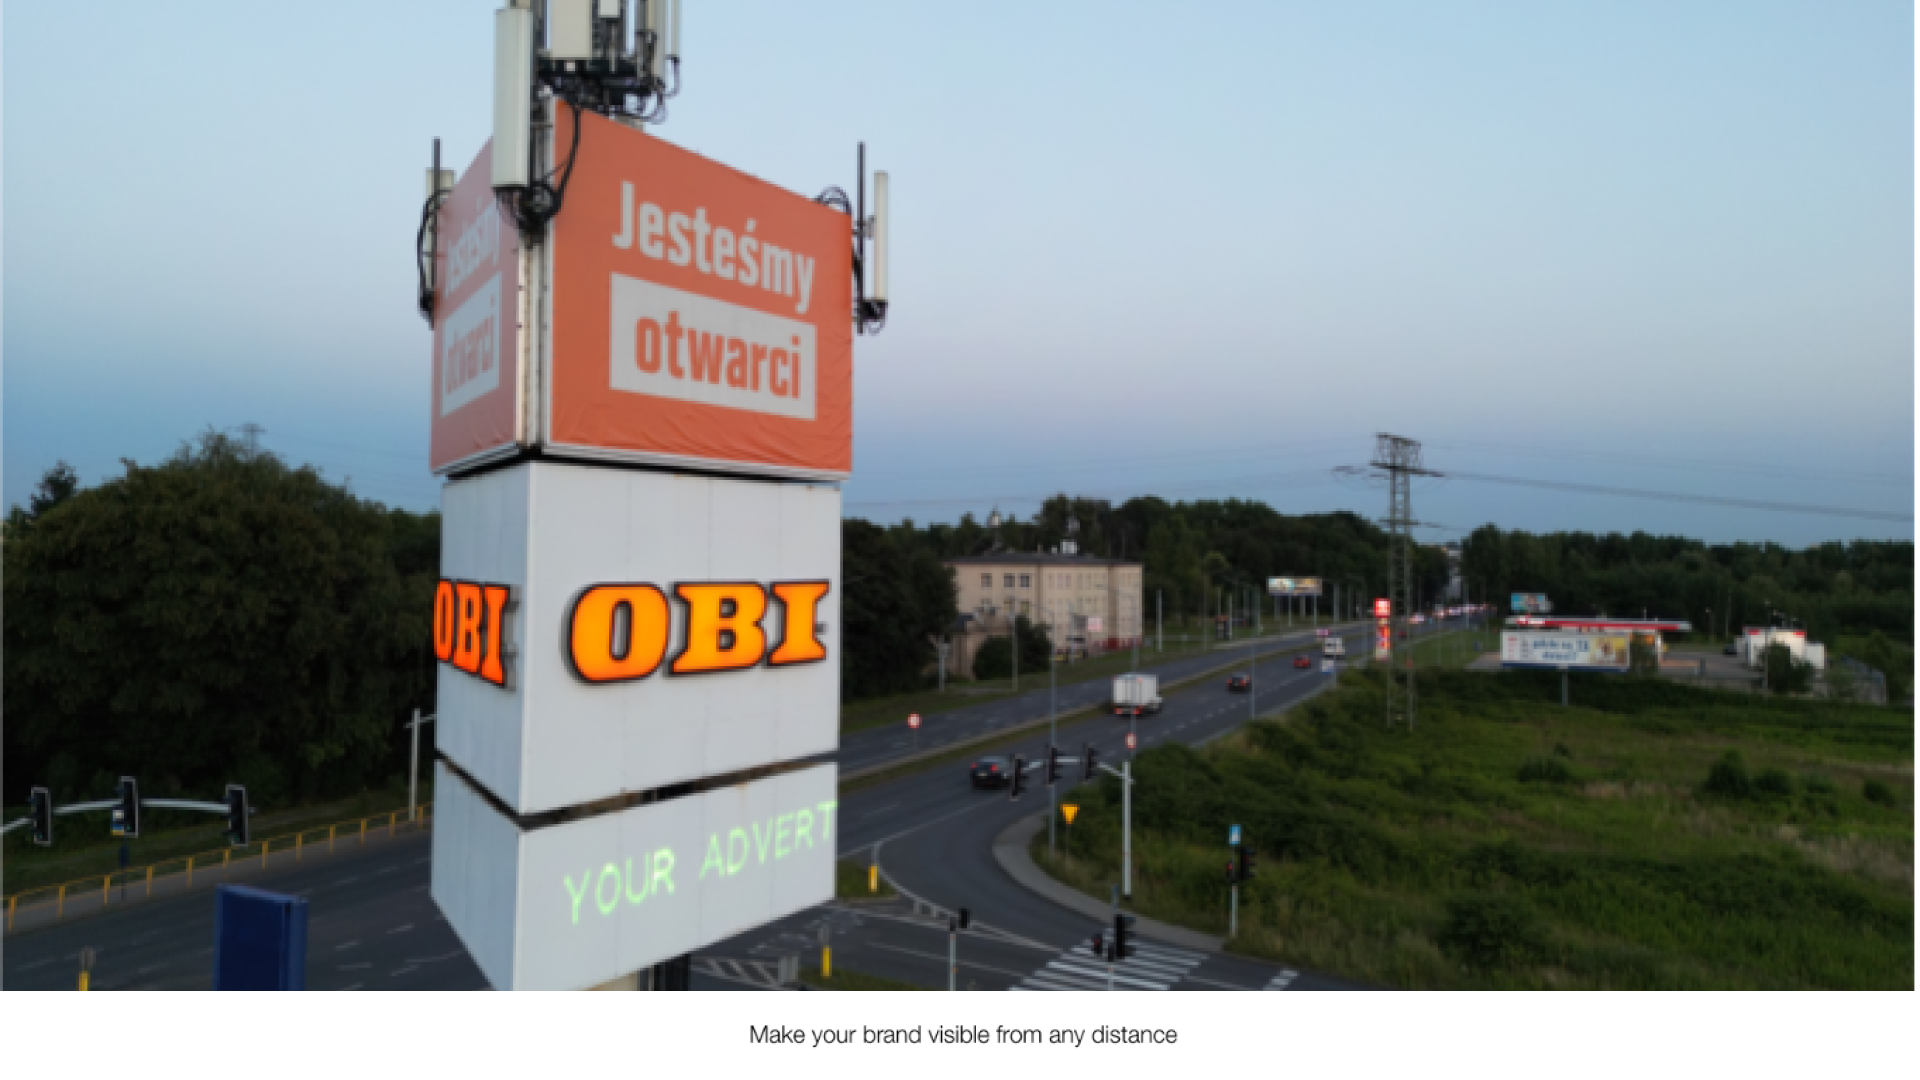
[
  {"x": 1294, "y": 586},
  {"x": 575, "y": 904},
  {"x": 701, "y": 317},
  {"x": 476, "y": 326},
  {"x": 605, "y": 631},
  {"x": 1531, "y": 603},
  {"x": 1547, "y": 649}
]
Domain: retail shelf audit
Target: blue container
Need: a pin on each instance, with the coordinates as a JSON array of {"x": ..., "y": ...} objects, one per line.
[{"x": 259, "y": 940}]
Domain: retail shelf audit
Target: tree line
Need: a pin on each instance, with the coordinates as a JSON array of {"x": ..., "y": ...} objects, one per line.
[{"x": 1833, "y": 589}]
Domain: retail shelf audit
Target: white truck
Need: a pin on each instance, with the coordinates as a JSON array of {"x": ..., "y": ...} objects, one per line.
[
  {"x": 1334, "y": 646},
  {"x": 1134, "y": 694}
]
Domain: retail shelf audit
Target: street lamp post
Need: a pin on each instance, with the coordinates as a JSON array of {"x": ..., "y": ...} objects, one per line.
[{"x": 413, "y": 768}]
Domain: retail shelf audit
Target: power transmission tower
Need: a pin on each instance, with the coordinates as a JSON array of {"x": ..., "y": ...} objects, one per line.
[
  {"x": 1400, "y": 459},
  {"x": 251, "y": 433}
]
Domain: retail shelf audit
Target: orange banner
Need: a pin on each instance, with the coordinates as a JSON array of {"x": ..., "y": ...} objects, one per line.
[
  {"x": 476, "y": 327},
  {"x": 700, "y": 316}
]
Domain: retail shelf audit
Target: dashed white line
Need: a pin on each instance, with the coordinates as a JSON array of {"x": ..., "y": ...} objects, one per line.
[
  {"x": 402, "y": 971},
  {"x": 342, "y": 948},
  {"x": 401, "y": 929},
  {"x": 353, "y": 967}
]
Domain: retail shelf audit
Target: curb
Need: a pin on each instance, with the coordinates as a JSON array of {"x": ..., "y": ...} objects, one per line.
[{"x": 1010, "y": 851}]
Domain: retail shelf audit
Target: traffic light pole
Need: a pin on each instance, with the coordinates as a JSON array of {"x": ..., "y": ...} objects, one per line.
[
  {"x": 1125, "y": 773},
  {"x": 1233, "y": 910}
]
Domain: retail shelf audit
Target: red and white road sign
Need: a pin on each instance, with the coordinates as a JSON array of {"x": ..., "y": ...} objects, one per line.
[
  {"x": 913, "y": 721},
  {"x": 1383, "y": 609},
  {"x": 1132, "y": 741}
]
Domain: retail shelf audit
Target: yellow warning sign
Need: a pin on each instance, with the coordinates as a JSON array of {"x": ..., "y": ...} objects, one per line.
[{"x": 1067, "y": 810}]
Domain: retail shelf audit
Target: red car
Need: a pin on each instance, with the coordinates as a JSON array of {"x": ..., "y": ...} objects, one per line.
[
  {"x": 1240, "y": 684},
  {"x": 1303, "y": 661}
]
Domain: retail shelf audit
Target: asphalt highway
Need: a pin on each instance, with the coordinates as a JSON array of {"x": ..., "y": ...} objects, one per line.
[{"x": 372, "y": 924}]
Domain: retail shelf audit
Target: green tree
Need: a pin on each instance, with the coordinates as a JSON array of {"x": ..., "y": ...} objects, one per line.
[
  {"x": 1785, "y": 675},
  {"x": 218, "y": 617},
  {"x": 898, "y": 600},
  {"x": 994, "y": 658}
]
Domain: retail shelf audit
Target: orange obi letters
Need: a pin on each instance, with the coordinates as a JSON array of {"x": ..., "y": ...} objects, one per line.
[
  {"x": 469, "y": 628},
  {"x": 617, "y": 632},
  {"x": 620, "y": 632}
]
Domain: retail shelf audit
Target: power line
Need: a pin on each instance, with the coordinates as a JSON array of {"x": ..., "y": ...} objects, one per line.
[
  {"x": 1679, "y": 497},
  {"x": 1663, "y": 461}
]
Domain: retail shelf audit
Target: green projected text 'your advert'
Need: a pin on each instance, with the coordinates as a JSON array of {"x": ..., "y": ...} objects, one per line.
[{"x": 733, "y": 852}]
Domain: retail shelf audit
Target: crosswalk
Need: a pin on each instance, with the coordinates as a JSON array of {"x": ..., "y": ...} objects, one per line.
[{"x": 1151, "y": 967}]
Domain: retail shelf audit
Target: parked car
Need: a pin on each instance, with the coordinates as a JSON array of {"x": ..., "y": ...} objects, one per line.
[
  {"x": 1303, "y": 661},
  {"x": 992, "y": 772},
  {"x": 1240, "y": 684}
]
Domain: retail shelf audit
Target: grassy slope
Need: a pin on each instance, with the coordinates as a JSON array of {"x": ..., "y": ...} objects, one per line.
[{"x": 1423, "y": 860}]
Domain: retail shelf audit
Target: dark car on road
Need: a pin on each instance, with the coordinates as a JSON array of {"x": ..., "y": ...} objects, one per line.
[
  {"x": 992, "y": 772},
  {"x": 1731, "y": 649},
  {"x": 1240, "y": 684},
  {"x": 1303, "y": 661}
]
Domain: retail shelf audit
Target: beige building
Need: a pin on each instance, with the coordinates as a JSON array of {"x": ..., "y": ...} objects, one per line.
[{"x": 1086, "y": 604}]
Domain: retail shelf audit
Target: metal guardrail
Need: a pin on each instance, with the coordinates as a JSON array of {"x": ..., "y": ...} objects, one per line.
[{"x": 178, "y": 873}]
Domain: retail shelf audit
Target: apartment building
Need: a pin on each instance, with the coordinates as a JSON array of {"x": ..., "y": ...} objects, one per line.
[{"x": 1084, "y": 603}]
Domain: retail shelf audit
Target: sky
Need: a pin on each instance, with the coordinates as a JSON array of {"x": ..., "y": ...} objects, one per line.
[{"x": 1199, "y": 251}]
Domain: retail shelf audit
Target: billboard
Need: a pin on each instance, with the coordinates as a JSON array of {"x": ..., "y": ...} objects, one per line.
[
  {"x": 701, "y": 317},
  {"x": 476, "y": 325},
  {"x": 1383, "y": 642},
  {"x": 1549, "y": 649},
  {"x": 604, "y": 631},
  {"x": 1531, "y": 603},
  {"x": 1294, "y": 586},
  {"x": 578, "y": 903}
]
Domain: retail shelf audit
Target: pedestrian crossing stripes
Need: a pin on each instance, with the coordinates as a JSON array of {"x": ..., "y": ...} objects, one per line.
[
  {"x": 1283, "y": 980},
  {"x": 1151, "y": 967}
]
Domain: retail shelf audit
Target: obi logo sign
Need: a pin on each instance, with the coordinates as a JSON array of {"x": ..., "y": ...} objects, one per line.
[
  {"x": 621, "y": 632},
  {"x": 469, "y": 628}
]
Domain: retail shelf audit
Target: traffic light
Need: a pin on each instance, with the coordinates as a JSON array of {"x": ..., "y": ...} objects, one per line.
[
  {"x": 1246, "y": 863},
  {"x": 40, "y": 809},
  {"x": 1019, "y": 778},
  {"x": 1122, "y": 936},
  {"x": 1053, "y": 765},
  {"x": 1098, "y": 944},
  {"x": 1233, "y": 872},
  {"x": 126, "y": 815},
  {"x": 1089, "y": 761},
  {"x": 238, "y": 832}
]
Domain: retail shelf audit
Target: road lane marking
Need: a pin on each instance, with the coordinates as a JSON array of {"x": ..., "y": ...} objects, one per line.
[
  {"x": 434, "y": 959},
  {"x": 941, "y": 958},
  {"x": 403, "y": 971},
  {"x": 348, "y": 945},
  {"x": 401, "y": 929},
  {"x": 882, "y": 810},
  {"x": 353, "y": 967},
  {"x": 344, "y": 881}
]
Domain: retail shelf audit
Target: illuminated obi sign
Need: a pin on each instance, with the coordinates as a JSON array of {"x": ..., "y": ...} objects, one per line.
[
  {"x": 1587, "y": 652},
  {"x": 579, "y": 903},
  {"x": 657, "y": 628}
]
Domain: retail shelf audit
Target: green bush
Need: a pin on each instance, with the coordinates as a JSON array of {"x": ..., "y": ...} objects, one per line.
[
  {"x": 1728, "y": 777},
  {"x": 1819, "y": 785},
  {"x": 1492, "y": 930},
  {"x": 1877, "y": 792},
  {"x": 1545, "y": 769},
  {"x": 1773, "y": 782}
]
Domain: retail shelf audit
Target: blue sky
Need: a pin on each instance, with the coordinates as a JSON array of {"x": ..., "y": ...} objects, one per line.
[{"x": 1138, "y": 249}]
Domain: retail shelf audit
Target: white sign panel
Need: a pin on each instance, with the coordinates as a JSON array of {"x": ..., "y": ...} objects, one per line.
[
  {"x": 1530, "y": 648},
  {"x": 555, "y": 716},
  {"x": 674, "y": 344},
  {"x": 579, "y": 903},
  {"x": 1294, "y": 586}
]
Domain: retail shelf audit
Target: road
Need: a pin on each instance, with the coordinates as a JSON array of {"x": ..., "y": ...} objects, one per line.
[{"x": 373, "y": 926}]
